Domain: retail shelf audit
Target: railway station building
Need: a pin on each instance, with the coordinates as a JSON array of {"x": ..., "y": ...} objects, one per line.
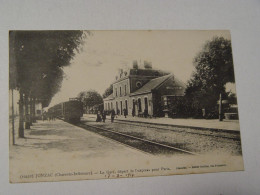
[{"x": 144, "y": 92}]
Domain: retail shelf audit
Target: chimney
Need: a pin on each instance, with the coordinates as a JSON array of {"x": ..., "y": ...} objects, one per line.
[
  {"x": 135, "y": 64},
  {"x": 147, "y": 65}
]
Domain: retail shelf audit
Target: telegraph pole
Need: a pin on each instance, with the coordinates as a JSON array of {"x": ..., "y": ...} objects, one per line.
[
  {"x": 13, "y": 117},
  {"x": 220, "y": 108}
]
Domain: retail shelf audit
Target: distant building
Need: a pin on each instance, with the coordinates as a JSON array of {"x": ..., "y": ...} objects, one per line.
[
  {"x": 16, "y": 98},
  {"x": 143, "y": 92},
  {"x": 38, "y": 110}
]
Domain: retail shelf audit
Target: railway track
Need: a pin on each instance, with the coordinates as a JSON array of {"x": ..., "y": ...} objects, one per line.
[
  {"x": 145, "y": 145},
  {"x": 178, "y": 129},
  {"x": 230, "y": 136}
]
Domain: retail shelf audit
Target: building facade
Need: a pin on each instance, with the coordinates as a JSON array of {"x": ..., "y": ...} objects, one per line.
[{"x": 143, "y": 92}]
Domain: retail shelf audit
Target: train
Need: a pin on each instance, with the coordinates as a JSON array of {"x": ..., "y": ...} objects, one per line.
[{"x": 70, "y": 111}]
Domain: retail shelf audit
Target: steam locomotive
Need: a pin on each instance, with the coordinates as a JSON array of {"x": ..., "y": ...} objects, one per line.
[{"x": 70, "y": 111}]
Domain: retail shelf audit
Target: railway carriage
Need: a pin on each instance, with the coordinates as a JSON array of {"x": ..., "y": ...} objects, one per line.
[{"x": 70, "y": 111}]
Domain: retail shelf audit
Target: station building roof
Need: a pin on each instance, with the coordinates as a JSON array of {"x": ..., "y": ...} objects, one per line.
[
  {"x": 140, "y": 73},
  {"x": 152, "y": 84},
  {"x": 110, "y": 97}
]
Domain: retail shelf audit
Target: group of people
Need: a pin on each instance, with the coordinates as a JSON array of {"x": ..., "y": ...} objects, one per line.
[
  {"x": 48, "y": 116},
  {"x": 101, "y": 116},
  {"x": 124, "y": 112}
]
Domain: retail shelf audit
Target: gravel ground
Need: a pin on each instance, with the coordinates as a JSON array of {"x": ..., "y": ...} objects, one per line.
[
  {"x": 135, "y": 143},
  {"x": 192, "y": 142}
]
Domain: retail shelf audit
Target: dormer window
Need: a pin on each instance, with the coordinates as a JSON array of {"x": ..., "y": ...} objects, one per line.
[{"x": 138, "y": 84}]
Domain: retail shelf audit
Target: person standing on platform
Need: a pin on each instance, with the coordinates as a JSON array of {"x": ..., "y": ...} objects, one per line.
[
  {"x": 104, "y": 116},
  {"x": 113, "y": 113},
  {"x": 98, "y": 117}
]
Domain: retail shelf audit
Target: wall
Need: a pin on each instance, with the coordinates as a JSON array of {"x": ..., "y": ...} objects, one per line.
[
  {"x": 141, "y": 79},
  {"x": 116, "y": 88},
  {"x": 142, "y": 98}
]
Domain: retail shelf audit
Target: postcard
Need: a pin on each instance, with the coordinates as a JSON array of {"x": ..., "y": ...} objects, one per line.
[{"x": 107, "y": 104}]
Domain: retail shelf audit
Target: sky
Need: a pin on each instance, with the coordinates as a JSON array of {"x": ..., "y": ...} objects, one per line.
[{"x": 104, "y": 52}]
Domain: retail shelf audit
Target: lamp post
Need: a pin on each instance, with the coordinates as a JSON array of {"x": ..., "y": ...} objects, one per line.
[{"x": 220, "y": 108}]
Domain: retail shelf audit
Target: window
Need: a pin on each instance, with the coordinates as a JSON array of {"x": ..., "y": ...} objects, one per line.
[
  {"x": 117, "y": 111},
  {"x": 138, "y": 84},
  {"x": 120, "y": 91},
  {"x": 165, "y": 100},
  {"x": 126, "y": 107},
  {"x": 116, "y": 91},
  {"x": 139, "y": 105},
  {"x": 121, "y": 107},
  {"x": 125, "y": 89},
  {"x": 133, "y": 111},
  {"x": 146, "y": 104}
]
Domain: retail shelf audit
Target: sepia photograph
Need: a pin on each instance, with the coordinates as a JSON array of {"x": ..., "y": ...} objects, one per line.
[{"x": 93, "y": 104}]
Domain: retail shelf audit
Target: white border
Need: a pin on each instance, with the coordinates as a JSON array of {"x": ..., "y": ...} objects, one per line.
[{"x": 241, "y": 17}]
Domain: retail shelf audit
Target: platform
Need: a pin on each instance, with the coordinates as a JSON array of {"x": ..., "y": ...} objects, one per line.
[
  {"x": 228, "y": 125},
  {"x": 57, "y": 146}
]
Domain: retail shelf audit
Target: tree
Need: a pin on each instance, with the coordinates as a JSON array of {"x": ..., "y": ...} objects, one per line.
[
  {"x": 213, "y": 69},
  {"x": 90, "y": 98},
  {"x": 39, "y": 57},
  {"x": 36, "y": 62},
  {"x": 108, "y": 91}
]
